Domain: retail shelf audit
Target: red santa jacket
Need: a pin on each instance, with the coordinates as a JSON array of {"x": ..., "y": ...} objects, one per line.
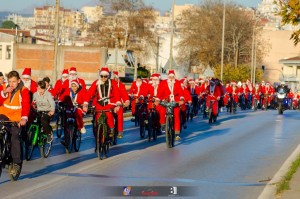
[
  {"x": 267, "y": 90},
  {"x": 78, "y": 99},
  {"x": 33, "y": 87},
  {"x": 194, "y": 90},
  {"x": 244, "y": 90},
  {"x": 169, "y": 89},
  {"x": 138, "y": 91},
  {"x": 113, "y": 94},
  {"x": 217, "y": 91},
  {"x": 228, "y": 89},
  {"x": 57, "y": 91},
  {"x": 66, "y": 84},
  {"x": 123, "y": 93},
  {"x": 187, "y": 94}
]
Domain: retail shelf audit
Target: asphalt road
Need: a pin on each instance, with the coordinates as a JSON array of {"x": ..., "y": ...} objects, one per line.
[{"x": 233, "y": 158}]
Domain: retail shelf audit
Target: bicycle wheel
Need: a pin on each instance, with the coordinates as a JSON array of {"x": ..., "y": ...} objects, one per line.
[
  {"x": 192, "y": 112},
  {"x": 170, "y": 134},
  {"x": 150, "y": 126},
  {"x": 59, "y": 126},
  {"x": 142, "y": 126},
  {"x": 209, "y": 114},
  {"x": 46, "y": 146},
  {"x": 77, "y": 140},
  {"x": 30, "y": 142},
  {"x": 1, "y": 153},
  {"x": 69, "y": 137},
  {"x": 100, "y": 139}
]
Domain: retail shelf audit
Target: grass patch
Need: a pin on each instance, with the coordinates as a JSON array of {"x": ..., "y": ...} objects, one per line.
[{"x": 284, "y": 184}]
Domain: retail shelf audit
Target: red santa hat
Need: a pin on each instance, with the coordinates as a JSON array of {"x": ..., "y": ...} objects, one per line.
[
  {"x": 191, "y": 81},
  {"x": 116, "y": 74},
  {"x": 155, "y": 76},
  {"x": 201, "y": 79},
  {"x": 171, "y": 73},
  {"x": 65, "y": 72},
  {"x": 73, "y": 70},
  {"x": 268, "y": 83},
  {"x": 104, "y": 71},
  {"x": 182, "y": 80},
  {"x": 233, "y": 82},
  {"x": 26, "y": 73},
  {"x": 75, "y": 81}
]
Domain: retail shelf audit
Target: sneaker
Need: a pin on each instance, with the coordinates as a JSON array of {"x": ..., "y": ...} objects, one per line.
[
  {"x": 16, "y": 169},
  {"x": 120, "y": 135},
  {"x": 83, "y": 130},
  {"x": 111, "y": 135},
  {"x": 177, "y": 138},
  {"x": 184, "y": 126},
  {"x": 145, "y": 121},
  {"x": 49, "y": 138},
  {"x": 163, "y": 129},
  {"x": 132, "y": 119}
]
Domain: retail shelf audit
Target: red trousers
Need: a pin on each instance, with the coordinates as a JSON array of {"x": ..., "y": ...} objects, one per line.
[
  {"x": 79, "y": 118},
  {"x": 120, "y": 120}
]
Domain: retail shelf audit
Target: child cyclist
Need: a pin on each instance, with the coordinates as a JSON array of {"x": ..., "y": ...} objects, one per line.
[{"x": 45, "y": 105}]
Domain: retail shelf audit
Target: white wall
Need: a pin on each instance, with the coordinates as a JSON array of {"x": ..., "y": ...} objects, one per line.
[{"x": 6, "y": 65}]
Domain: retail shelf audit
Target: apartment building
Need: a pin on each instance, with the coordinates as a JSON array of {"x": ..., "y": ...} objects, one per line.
[{"x": 70, "y": 23}]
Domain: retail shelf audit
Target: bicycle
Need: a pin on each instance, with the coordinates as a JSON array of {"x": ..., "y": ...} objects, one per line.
[
  {"x": 103, "y": 141},
  {"x": 5, "y": 149},
  {"x": 60, "y": 118},
  {"x": 211, "y": 116},
  {"x": 37, "y": 138},
  {"x": 153, "y": 123},
  {"x": 72, "y": 134},
  {"x": 170, "y": 131}
]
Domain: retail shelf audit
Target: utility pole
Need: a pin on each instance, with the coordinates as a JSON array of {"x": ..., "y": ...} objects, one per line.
[
  {"x": 54, "y": 68},
  {"x": 254, "y": 64},
  {"x": 172, "y": 35},
  {"x": 157, "y": 54},
  {"x": 223, "y": 40},
  {"x": 252, "y": 56}
]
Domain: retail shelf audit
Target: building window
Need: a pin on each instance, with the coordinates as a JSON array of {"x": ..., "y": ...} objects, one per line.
[
  {"x": 0, "y": 51},
  {"x": 8, "y": 52}
]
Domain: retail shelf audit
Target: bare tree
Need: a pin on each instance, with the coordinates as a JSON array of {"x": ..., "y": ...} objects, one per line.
[
  {"x": 201, "y": 30},
  {"x": 128, "y": 25}
]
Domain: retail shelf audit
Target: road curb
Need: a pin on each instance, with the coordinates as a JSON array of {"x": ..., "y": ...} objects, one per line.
[{"x": 269, "y": 191}]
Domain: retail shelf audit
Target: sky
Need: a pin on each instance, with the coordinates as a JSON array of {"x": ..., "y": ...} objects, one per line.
[{"x": 25, "y": 5}]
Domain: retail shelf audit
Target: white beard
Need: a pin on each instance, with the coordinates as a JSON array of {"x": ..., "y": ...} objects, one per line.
[
  {"x": 72, "y": 77},
  {"x": 171, "y": 81},
  {"x": 155, "y": 83},
  {"x": 138, "y": 84},
  {"x": 27, "y": 84},
  {"x": 64, "y": 79}
]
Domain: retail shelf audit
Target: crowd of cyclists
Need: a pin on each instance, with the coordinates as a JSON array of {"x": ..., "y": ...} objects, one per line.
[{"x": 22, "y": 99}]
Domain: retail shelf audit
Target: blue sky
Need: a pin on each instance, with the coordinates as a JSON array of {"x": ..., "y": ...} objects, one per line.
[{"x": 18, "y": 5}]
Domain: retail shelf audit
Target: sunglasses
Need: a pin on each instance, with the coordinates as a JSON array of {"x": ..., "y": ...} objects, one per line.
[{"x": 103, "y": 76}]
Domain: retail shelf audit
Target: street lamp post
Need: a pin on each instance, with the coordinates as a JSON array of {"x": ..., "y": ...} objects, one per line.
[
  {"x": 223, "y": 40},
  {"x": 172, "y": 35},
  {"x": 54, "y": 68}
]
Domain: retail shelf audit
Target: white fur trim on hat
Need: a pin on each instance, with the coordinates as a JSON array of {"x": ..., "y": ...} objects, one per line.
[{"x": 26, "y": 76}]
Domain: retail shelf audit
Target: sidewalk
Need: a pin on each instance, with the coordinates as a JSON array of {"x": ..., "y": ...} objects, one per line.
[{"x": 294, "y": 192}]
